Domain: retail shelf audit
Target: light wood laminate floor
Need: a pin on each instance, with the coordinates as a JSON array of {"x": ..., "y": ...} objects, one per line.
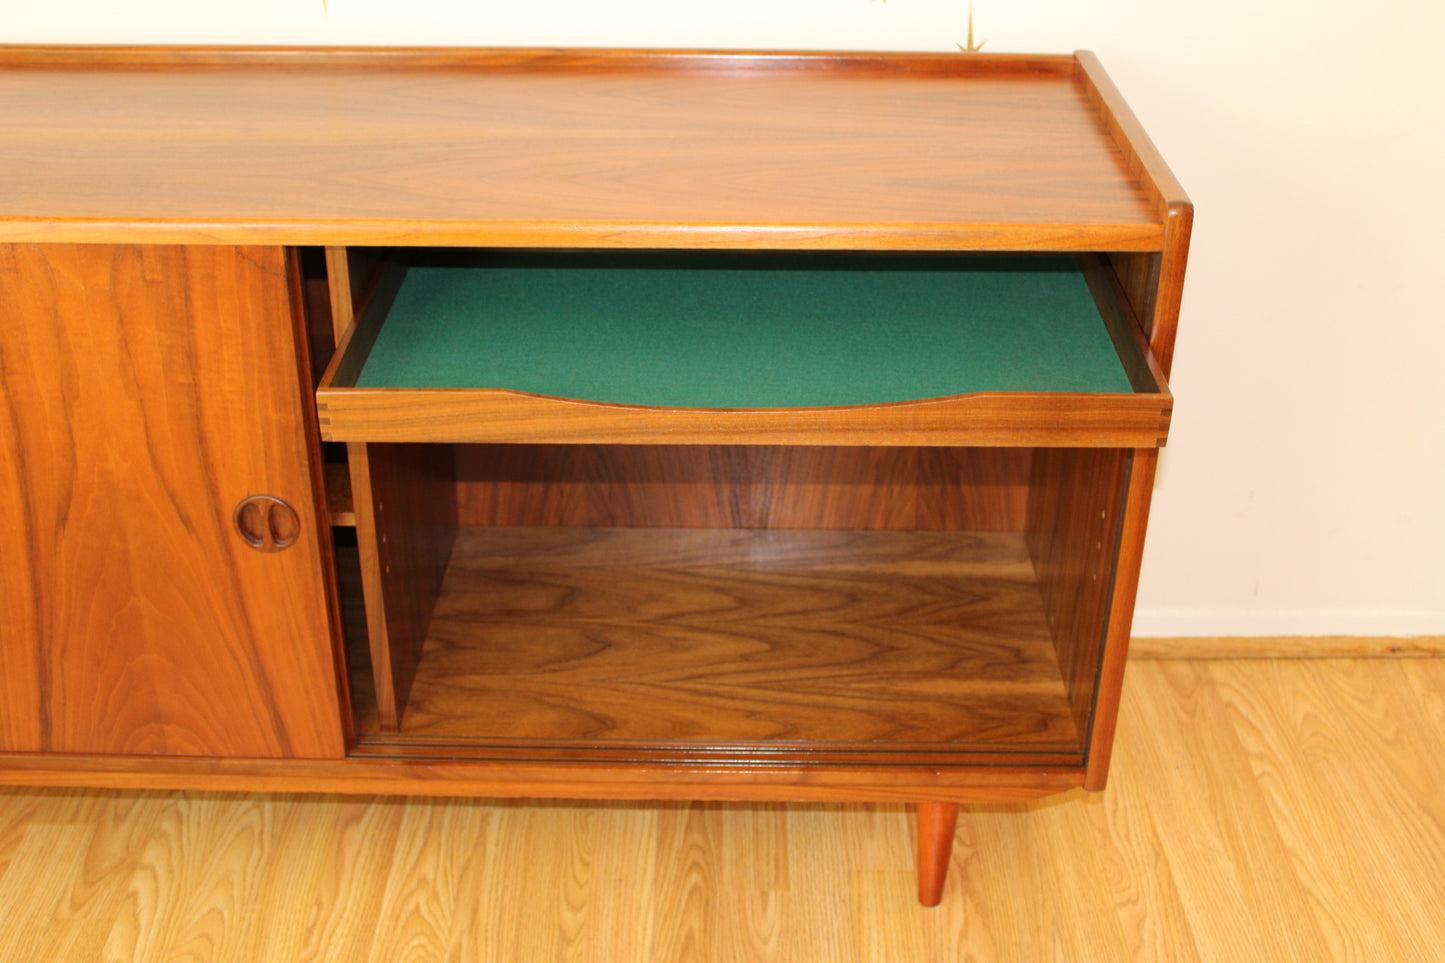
[{"x": 1258, "y": 810}]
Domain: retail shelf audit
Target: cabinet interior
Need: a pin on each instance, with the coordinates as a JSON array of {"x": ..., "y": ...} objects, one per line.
[
  {"x": 703, "y": 600},
  {"x": 820, "y": 601}
]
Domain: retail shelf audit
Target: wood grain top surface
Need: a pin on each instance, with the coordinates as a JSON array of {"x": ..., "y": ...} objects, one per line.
[{"x": 604, "y": 150}]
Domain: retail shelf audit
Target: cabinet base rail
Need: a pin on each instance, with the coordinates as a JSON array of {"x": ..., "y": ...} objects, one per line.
[
  {"x": 936, "y": 819},
  {"x": 581, "y": 780}
]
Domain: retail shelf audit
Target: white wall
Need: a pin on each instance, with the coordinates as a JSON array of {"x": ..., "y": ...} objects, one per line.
[{"x": 1303, "y": 489}]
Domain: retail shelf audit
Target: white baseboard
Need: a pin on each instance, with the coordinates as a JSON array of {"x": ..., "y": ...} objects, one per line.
[
  {"x": 1288, "y": 647},
  {"x": 1216, "y": 623}
]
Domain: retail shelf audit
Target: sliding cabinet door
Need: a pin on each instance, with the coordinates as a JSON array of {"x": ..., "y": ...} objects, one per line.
[{"x": 164, "y": 578}]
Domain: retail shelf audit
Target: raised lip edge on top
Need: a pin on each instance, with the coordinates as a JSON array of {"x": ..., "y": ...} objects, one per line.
[{"x": 137, "y": 56}]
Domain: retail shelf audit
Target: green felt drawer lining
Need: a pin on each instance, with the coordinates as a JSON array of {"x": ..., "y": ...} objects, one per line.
[{"x": 747, "y": 331}]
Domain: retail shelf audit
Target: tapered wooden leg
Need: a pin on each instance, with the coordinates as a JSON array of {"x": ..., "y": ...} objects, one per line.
[{"x": 936, "y": 822}]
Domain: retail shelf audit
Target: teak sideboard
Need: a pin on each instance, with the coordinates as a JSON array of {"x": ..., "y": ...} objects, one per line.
[{"x": 597, "y": 424}]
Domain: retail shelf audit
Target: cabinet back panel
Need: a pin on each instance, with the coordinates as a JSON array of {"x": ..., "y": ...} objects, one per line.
[{"x": 744, "y": 486}]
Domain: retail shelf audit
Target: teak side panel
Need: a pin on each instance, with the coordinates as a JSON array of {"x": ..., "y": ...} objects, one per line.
[
  {"x": 744, "y": 486},
  {"x": 406, "y": 511},
  {"x": 148, "y": 391},
  {"x": 1075, "y": 506},
  {"x": 1137, "y": 497}
]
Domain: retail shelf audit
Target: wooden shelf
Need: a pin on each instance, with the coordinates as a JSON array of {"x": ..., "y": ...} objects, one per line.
[
  {"x": 749, "y": 349},
  {"x": 758, "y": 644}
]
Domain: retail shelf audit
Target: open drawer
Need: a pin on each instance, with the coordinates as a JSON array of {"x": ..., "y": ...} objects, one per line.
[{"x": 708, "y": 348}]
